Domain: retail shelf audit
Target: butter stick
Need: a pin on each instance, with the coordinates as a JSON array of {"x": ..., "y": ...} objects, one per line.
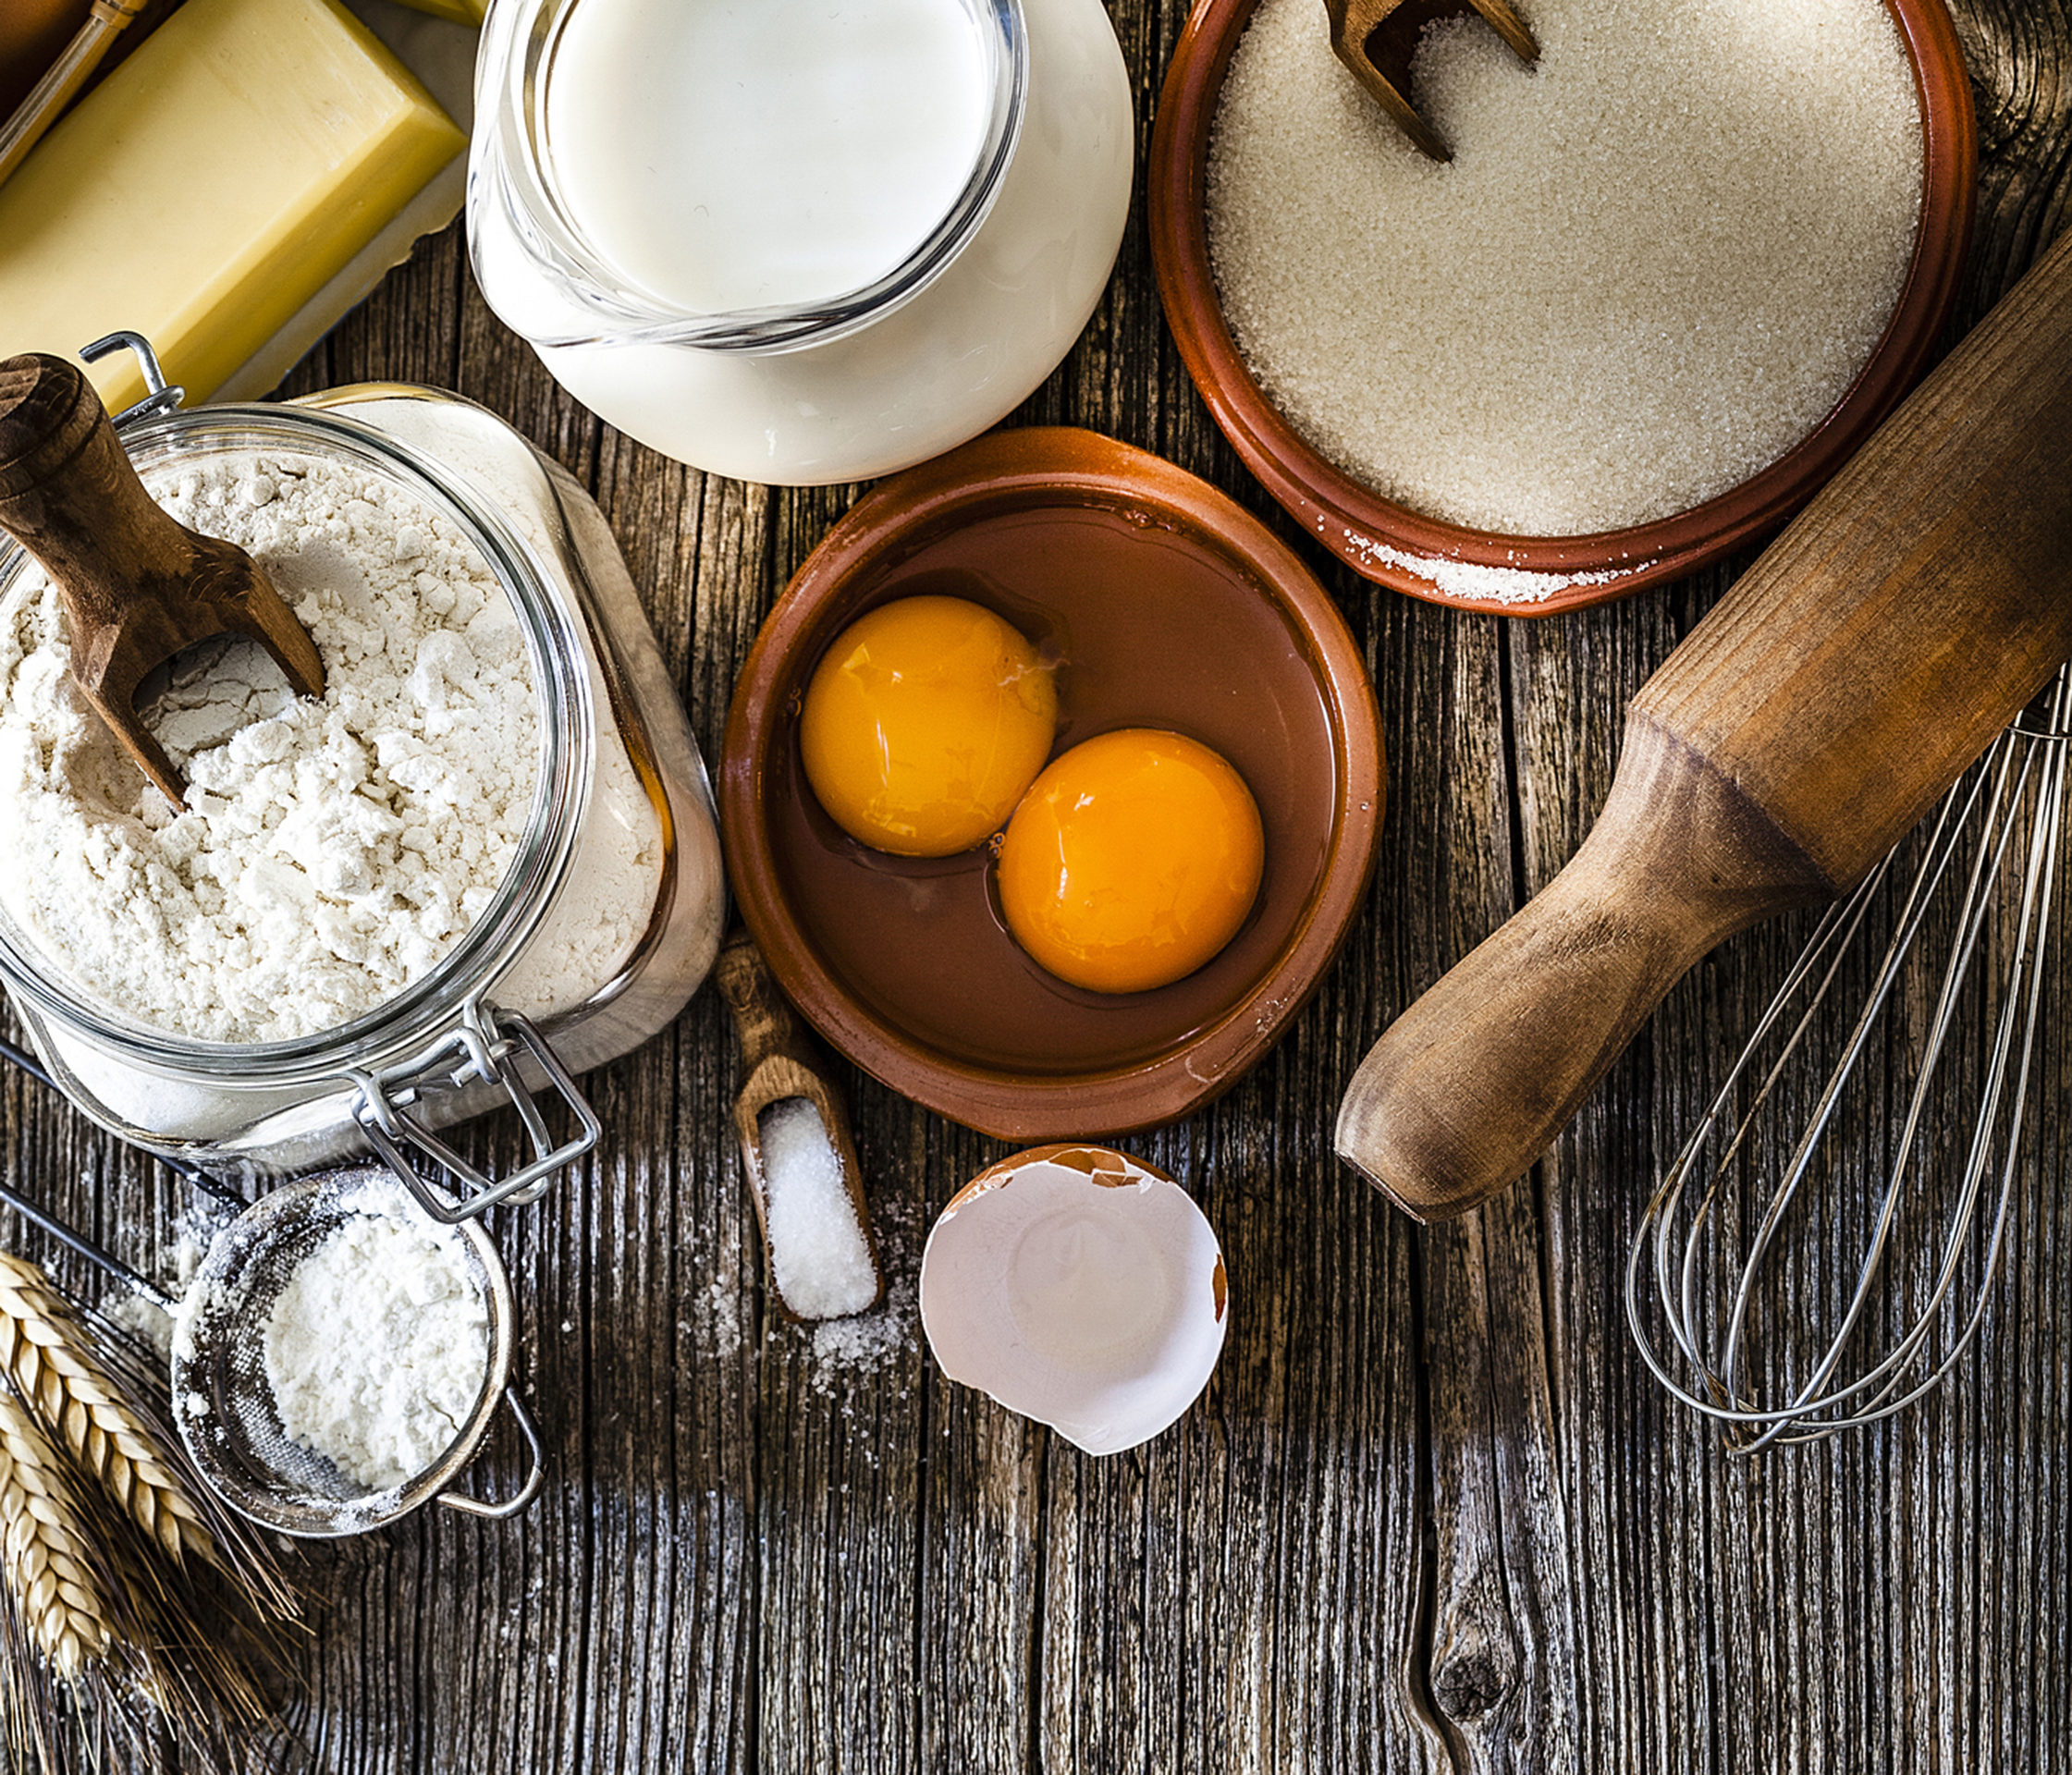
[
  {"x": 212, "y": 185},
  {"x": 462, "y": 12}
]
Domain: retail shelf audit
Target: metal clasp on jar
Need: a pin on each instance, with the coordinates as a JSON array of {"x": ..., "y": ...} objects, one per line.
[
  {"x": 161, "y": 397},
  {"x": 488, "y": 1047}
]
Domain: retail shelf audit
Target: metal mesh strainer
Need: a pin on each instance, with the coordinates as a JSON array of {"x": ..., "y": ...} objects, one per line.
[{"x": 223, "y": 1404}]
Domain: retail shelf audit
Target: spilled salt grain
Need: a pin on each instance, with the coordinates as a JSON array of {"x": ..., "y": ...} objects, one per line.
[
  {"x": 842, "y": 1347},
  {"x": 1655, "y": 263},
  {"x": 819, "y": 1256}
]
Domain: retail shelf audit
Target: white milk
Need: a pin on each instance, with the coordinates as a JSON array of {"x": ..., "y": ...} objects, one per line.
[
  {"x": 910, "y": 381},
  {"x": 731, "y": 155}
]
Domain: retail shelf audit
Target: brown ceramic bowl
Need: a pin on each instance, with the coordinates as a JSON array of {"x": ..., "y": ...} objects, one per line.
[
  {"x": 1172, "y": 607},
  {"x": 1355, "y": 522}
]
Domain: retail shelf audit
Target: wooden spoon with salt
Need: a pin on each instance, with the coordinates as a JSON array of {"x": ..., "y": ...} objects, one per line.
[
  {"x": 779, "y": 1063},
  {"x": 138, "y": 587}
]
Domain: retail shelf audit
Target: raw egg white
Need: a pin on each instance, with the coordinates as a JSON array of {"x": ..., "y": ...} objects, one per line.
[
  {"x": 924, "y": 724},
  {"x": 1132, "y": 861}
]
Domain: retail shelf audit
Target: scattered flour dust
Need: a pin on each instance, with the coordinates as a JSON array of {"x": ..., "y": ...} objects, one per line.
[
  {"x": 330, "y": 852},
  {"x": 377, "y": 1348},
  {"x": 1656, "y": 261},
  {"x": 194, "y": 1229}
]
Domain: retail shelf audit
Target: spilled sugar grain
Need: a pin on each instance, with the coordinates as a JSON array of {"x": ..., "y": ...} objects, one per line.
[
  {"x": 713, "y": 1318},
  {"x": 1655, "y": 263},
  {"x": 818, "y": 1253},
  {"x": 837, "y": 1354},
  {"x": 843, "y": 1352}
]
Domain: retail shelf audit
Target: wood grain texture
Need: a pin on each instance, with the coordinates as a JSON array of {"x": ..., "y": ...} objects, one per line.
[{"x": 1432, "y": 1514}]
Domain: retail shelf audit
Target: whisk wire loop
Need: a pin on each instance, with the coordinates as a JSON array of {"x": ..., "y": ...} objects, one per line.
[{"x": 2013, "y": 801}]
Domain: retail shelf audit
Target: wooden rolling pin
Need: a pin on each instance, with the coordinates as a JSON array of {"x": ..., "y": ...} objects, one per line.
[{"x": 1814, "y": 716}]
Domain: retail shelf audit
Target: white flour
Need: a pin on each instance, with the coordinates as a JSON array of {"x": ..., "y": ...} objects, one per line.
[
  {"x": 330, "y": 852},
  {"x": 377, "y": 1348}
]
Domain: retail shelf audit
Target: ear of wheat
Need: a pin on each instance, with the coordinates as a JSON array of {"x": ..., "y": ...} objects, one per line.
[
  {"x": 65, "y": 1602},
  {"x": 107, "y": 1624},
  {"x": 50, "y": 1357}
]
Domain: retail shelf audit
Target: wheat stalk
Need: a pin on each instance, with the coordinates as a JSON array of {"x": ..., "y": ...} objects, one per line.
[
  {"x": 50, "y": 1356},
  {"x": 43, "y": 1553}
]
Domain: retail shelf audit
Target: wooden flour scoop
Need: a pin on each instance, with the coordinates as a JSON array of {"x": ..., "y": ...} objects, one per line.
[
  {"x": 1814, "y": 716},
  {"x": 138, "y": 587}
]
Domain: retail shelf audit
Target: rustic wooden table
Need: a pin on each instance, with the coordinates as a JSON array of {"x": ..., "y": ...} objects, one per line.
[{"x": 1432, "y": 1513}]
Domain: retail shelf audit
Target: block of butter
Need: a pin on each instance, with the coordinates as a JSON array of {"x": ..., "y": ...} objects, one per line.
[
  {"x": 462, "y": 12},
  {"x": 210, "y": 186}
]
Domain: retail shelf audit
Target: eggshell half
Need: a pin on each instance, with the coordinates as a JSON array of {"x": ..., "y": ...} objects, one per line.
[{"x": 1079, "y": 1287}]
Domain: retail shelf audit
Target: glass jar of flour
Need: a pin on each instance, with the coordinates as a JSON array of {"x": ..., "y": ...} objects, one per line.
[
  {"x": 485, "y": 862},
  {"x": 794, "y": 242}
]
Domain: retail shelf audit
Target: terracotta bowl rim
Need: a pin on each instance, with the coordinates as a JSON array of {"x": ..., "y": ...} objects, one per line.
[
  {"x": 1081, "y": 466},
  {"x": 1349, "y": 519}
]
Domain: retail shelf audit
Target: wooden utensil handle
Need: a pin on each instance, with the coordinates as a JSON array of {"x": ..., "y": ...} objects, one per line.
[
  {"x": 1840, "y": 687},
  {"x": 1469, "y": 1087},
  {"x": 762, "y": 1019},
  {"x": 71, "y": 497}
]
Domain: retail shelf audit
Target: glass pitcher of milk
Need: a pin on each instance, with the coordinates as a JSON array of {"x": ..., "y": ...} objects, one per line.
[{"x": 799, "y": 240}]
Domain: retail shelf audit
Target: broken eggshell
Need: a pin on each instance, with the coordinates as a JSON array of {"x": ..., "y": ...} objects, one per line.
[{"x": 1079, "y": 1287}]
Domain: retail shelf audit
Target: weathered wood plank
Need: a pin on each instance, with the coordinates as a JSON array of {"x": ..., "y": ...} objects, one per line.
[{"x": 1432, "y": 1514}]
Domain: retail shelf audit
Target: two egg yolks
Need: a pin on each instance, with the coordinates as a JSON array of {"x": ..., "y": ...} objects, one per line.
[
  {"x": 1132, "y": 861},
  {"x": 925, "y": 724},
  {"x": 1127, "y": 863}
]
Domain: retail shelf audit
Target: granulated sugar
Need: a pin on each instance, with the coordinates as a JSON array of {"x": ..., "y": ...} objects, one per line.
[
  {"x": 1656, "y": 262},
  {"x": 819, "y": 1256},
  {"x": 868, "y": 1348},
  {"x": 864, "y": 1342}
]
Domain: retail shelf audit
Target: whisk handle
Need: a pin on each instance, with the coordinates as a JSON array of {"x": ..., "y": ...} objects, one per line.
[{"x": 1470, "y": 1084}]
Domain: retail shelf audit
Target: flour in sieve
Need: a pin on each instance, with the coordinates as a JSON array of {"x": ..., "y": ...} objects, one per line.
[
  {"x": 377, "y": 1348},
  {"x": 330, "y": 852}
]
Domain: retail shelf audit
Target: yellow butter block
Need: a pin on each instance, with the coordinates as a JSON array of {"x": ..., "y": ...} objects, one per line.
[
  {"x": 211, "y": 186},
  {"x": 462, "y": 12}
]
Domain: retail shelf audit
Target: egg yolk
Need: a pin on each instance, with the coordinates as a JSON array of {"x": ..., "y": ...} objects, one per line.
[
  {"x": 1132, "y": 861},
  {"x": 925, "y": 724}
]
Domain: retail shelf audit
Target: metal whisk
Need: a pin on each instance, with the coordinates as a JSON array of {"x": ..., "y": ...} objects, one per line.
[{"x": 1772, "y": 1354}]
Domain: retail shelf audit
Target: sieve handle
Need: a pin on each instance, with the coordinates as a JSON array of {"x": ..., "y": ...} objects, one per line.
[{"x": 496, "y": 1510}]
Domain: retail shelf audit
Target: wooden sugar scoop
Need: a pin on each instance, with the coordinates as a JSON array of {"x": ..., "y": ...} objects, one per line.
[
  {"x": 1377, "y": 39},
  {"x": 138, "y": 587},
  {"x": 777, "y": 1061},
  {"x": 1814, "y": 716}
]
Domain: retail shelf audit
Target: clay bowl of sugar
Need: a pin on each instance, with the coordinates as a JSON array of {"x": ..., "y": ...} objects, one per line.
[
  {"x": 1165, "y": 628},
  {"x": 1673, "y": 274}
]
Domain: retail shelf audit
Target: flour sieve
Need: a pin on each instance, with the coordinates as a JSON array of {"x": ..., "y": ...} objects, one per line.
[{"x": 224, "y": 1403}]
